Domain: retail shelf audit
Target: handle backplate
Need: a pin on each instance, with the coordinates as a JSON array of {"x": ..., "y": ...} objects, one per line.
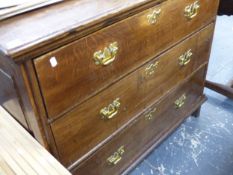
[
  {"x": 116, "y": 157},
  {"x": 185, "y": 58},
  {"x": 179, "y": 103},
  {"x": 111, "y": 110},
  {"x": 107, "y": 55}
]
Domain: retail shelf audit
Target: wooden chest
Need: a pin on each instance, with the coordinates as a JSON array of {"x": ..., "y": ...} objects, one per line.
[{"x": 101, "y": 83}]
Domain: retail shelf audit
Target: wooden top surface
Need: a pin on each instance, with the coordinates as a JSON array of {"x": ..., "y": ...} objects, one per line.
[
  {"x": 20, "y": 154},
  {"x": 23, "y": 36}
]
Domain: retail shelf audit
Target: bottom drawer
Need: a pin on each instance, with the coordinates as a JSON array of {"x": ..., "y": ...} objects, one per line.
[{"x": 152, "y": 125}]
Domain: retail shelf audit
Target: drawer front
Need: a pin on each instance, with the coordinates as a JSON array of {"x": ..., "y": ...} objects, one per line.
[
  {"x": 98, "y": 118},
  {"x": 73, "y": 73},
  {"x": 169, "y": 69},
  {"x": 125, "y": 148}
]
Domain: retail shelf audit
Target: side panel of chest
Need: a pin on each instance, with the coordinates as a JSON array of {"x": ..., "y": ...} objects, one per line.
[{"x": 9, "y": 98}]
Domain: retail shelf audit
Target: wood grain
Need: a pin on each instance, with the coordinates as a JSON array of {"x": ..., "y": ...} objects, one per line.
[
  {"x": 142, "y": 90},
  {"x": 59, "y": 24},
  {"x": 20, "y": 154},
  {"x": 220, "y": 88},
  {"x": 19, "y": 98},
  {"x": 138, "y": 42},
  {"x": 59, "y": 105},
  {"x": 141, "y": 132}
]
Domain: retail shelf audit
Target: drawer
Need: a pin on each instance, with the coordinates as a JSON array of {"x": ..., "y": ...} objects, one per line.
[
  {"x": 97, "y": 119},
  {"x": 70, "y": 75},
  {"x": 158, "y": 120}
]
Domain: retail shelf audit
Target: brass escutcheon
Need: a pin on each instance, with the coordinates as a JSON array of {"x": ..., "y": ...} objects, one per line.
[
  {"x": 191, "y": 10},
  {"x": 150, "y": 115},
  {"x": 151, "y": 68},
  {"x": 153, "y": 17}
]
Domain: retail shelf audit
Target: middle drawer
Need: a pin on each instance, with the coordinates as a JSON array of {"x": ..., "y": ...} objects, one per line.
[{"x": 90, "y": 123}]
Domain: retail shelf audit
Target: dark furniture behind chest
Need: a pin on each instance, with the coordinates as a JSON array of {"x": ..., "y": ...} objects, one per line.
[
  {"x": 101, "y": 83},
  {"x": 225, "y": 7}
]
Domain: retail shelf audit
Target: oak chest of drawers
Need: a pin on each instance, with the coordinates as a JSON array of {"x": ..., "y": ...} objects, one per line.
[{"x": 101, "y": 83}]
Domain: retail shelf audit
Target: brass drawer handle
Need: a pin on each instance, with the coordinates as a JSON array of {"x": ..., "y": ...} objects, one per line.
[
  {"x": 191, "y": 11},
  {"x": 150, "y": 114},
  {"x": 117, "y": 156},
  {"x": 151, "y": 68},
  {"x": 179, "y": 103},
  {"x": 106, "y": 56},
  {"x": 153, "y": 17},
  {"x": 111, "y": 110},
  {"x": 185, "y": 58}
]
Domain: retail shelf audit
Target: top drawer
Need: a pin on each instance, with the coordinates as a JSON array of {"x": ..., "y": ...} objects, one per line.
[{"x": 73, "y": 73}]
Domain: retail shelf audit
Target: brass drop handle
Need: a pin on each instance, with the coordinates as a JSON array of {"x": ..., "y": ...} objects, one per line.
[
  {"x": 107, "y": 55},
  {"x": 179, "y": 103},
  {"x": 116, "y": 157},
  {"x": 150, "y": 115},
  {"x": 185, "y": 58},
  {"x": 151, "y": 68},
  {"x": 153, "y": 17},
  {"x": 191, "y": 10},
  {"x": 111, "y": 110}
]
